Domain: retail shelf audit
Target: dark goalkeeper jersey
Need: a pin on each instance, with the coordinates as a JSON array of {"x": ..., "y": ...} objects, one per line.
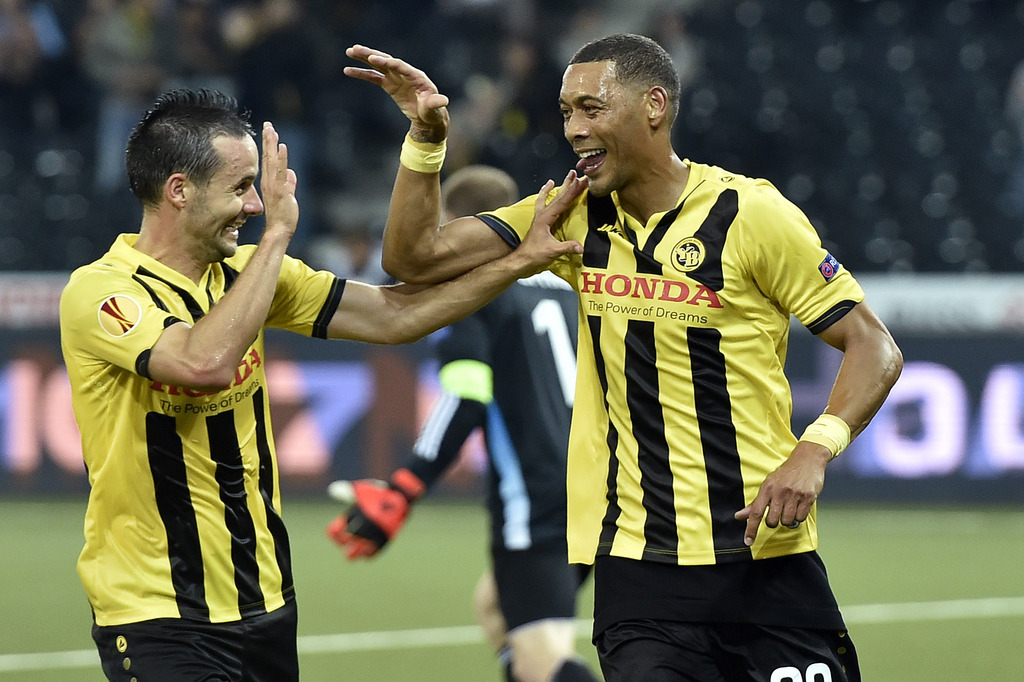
[
  {"x": 682, "y": 406},
  {"x": 510, "y": 369},
  {"x": 184, "y": 514},
  {"x": 528, "y": 335}
]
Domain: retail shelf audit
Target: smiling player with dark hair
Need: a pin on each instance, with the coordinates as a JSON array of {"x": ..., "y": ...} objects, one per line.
[{"x": 687, "y": 488}]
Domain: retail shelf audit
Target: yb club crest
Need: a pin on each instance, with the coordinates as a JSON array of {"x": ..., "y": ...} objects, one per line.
[{"x": 688, "y": 254}]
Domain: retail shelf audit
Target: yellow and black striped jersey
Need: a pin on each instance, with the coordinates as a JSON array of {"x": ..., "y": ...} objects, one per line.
[
  {"x": 184, "y": 509},
  {"x": 682, "y": 406}
]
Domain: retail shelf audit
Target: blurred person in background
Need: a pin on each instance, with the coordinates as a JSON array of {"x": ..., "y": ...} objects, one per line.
[
  {"x": 42, "y": 100},
  {"x": 122, "y": 51},
  {"x": 508, "y": 369},
  {"x": 1013, "y": 195},
  {"x": 687, "y": 489},
  {"x": 186, "y": 559},
  {"x": 199, "y": 54},
  {"x": 351, "y": 246},
  {"x": 506, "y": 106},
  {"x": 284, "y": 52}
]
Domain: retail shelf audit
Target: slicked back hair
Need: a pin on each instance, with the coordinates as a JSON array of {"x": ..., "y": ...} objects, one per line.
[
  {"x": 474, "y": 189},
  {"x": 176, "y": 136},
  {"x": 638, "y": 61}
]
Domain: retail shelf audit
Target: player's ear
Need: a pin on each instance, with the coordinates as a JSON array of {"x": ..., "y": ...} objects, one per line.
[
  {"x": 657, "y": 104},
  {"x": 177, "y": 190}
]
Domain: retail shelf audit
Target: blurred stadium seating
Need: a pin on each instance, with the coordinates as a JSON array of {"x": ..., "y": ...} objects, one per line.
[{"x": 884, "y": 120}]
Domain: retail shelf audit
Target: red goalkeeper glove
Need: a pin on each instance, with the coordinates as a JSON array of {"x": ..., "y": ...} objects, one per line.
[{"x": 375, "y": 511}]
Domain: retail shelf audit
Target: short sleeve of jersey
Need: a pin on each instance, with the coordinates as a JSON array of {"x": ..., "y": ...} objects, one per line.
[
  {"x": 108, "y": 315},
  {"x": 305, "y": 299},
  {"x": 788, "y": 261},
  {"x": 513, "y": 222}
]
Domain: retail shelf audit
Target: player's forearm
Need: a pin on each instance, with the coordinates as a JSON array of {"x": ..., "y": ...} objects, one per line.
[
  {"x": 411, "y": 233},
  {"x": 218, "y": 341},
  {"x": 415, "y": 311},
  {"x": 435, "y": 453},
  {"x": 871, "y": 365}
]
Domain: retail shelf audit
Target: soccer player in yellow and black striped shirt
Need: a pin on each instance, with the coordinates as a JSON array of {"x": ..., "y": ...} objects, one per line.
[
  {"x": 186, "y": 561},
  {"x": 686, "y": 487}
]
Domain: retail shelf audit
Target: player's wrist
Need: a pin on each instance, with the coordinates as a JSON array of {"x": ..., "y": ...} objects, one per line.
[
  {"x": 422, "y": 155},
  {"x": 830, "y": 432}
]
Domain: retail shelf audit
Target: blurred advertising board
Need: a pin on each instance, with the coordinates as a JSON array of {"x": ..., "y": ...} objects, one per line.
[{"x": 952, "y": 429}]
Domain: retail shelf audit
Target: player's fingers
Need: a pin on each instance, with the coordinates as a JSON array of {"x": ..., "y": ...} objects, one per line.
[
  {"x": 752, "y": 514},
  {"x": 369, "y": 75},
  {"x": 542, "y": 196},
  {"x": 270, "y": 140},
  {"x": 363, "y": 53},
  {"x": 360, "y": 548},
  {"x": 571, "y": 187},
  {"x": 569, "y": 247},
  {"x": 430, "y": 104},
  {"x": 282, "y": 162}
]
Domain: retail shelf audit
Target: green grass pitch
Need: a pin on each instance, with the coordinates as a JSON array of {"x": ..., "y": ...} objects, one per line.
[{"x": 930, "y": 594}]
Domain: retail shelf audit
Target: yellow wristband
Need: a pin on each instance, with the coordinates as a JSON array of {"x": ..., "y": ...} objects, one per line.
[
  {"x": 423, "y": 157},
  {"x": 830, "y": 432}
]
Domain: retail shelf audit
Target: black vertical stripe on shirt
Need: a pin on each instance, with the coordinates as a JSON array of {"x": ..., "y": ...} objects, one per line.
[
  {"x": 712, "y": 233},
  {"x": 230, "y": 275},
  {"x": 267, "y": 486},
  {"x": 596, "y": 247},
  {"x": 191, "y": 304},
  {"x": 612, "y": 511},
  {"x": 230, "y": 475},
  {"x": 645, "y": 261},
  {"x": 174, "y": 504},
  {"x": 648, "y": 423},
  {"x": 152, "y": 294},
  {"x": 718, "y": 441}
]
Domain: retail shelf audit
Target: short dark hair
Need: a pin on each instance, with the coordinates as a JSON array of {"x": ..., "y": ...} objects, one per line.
[
  {"x": 176, "y": 136},
  {"x": 474, "y": 189},
  {"x": 638, "y": 61}
]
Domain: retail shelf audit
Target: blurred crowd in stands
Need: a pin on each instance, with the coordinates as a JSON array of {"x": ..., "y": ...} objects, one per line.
[{"x": 897, "y": 125}]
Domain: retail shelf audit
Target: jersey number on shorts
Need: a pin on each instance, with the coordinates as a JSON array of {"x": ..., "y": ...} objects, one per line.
[{"x": 816, "y": 672}]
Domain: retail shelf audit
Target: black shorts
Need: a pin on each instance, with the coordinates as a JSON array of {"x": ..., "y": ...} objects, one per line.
[
  {"x": 258, "y": 649},
  {"x": 537, "y": 583},
  {"x": 666, "y": 651}
]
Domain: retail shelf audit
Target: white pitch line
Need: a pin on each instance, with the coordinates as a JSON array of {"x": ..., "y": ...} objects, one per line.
[{"x": 954, "y": 609}]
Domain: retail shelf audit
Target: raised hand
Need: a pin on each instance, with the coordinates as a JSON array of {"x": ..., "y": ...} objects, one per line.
[
  {"x": 277, "y": 184},
  {"x": 411, "y": 89}
]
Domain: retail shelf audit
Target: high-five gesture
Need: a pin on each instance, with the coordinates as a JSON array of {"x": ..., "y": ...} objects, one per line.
[
  {"x": 411, "y": 89},
  {"x": 277, "y": 184}
]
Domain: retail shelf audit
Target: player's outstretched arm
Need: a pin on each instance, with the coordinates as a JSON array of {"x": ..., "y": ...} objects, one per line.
[
  {"x": 405, "y": 313},
  {"x": 374, "y": 511}
]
